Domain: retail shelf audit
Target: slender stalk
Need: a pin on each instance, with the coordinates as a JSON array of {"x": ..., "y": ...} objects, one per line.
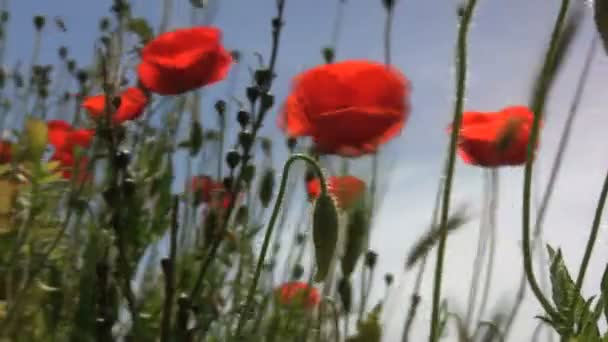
[
  {"x": 168, "y": 266},
  {"x": 275, "y": 213},
  {"x": 415, "y": 296},
  {"x": 593, "y": 234},
  {"x": 461, "y": 70},
  {"x": 166, "y": 15},
  {"x": 276, "y": 34},
  {"x": 479, "y": 256},
  {"x": 557, "y": 163},
  {"x": 493, "y": 209},
  {"x": 537, "y": 108}
]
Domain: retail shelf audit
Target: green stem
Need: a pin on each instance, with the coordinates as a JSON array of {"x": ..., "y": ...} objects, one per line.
[
  {"x": 537, "y": 108},
  {"x": 461, "y": 68},
  {"x": 593, "y": 235},
  {"x": 271, "y": 223}
]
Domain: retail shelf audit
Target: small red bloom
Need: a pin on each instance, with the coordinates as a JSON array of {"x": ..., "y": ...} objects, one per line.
[
  {"x": 496, "y": 138},
  {"x": 183, "y": 60},
  {"x": 64, "y": 138},
  {"x": 348, "y": 108},
  {"x": 347, "y": 190},
  {"x": 132, "y": 104},
  {"x": 6, "y": 151},
  {"x": 295, "y": 292}
]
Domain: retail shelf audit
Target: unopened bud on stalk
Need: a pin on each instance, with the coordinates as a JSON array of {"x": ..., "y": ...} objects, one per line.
[
  {"x": 388, "y": 279},
  {"x": 298, "y": 271},
  {"x": 252, "y": 94},
  {"x": 388, "y": 4},
  {"x": 243, "y": 117},
  {"x": 262, "y": 78},
  {"x": 245, "y": 140},
  {"x": 39, "y": 22},
  {"x": 291, "y": 143},
  {"x": 267, "y": 101},
  {"x": 325, "y": 234},
  {"x": 371, "y": 258},
  {"x": 233, "y": 158},
  {"x": 328, "y": 54},
  {"x": 220, "y": 107}
]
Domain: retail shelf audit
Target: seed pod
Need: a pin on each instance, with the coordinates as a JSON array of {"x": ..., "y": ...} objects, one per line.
[
  {"x": 325, "y": 234},
  {"x": 356, "y": 234},
  {"x": 266, "y": 187},
  {"x": 346, "y": 294}
]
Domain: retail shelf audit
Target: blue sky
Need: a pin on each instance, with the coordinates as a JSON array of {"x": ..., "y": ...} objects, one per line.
[{"x": 507, "y": 40}]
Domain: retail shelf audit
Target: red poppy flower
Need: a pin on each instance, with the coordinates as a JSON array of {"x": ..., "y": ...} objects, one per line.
[
  {"x": 6, "y": 151},
  {"x": 347, "y": 190},
  {"x": 348, "y": 108},
  {"x": 496, "y": 138},
  {"x": 132, "y": 103},
  {"x": 182, "y": 60},
  {"x": 295, "y": 293},
  {"x": 64, "y": 138}
]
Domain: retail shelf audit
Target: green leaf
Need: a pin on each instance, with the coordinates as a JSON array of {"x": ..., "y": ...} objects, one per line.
[
  {"x": 141, "y": 28},
  {"x": 36, "y": 133},
  {"x": 424, "y": 245}
]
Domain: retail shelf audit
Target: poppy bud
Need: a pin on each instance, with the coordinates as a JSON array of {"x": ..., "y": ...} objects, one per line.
[
  {"x": 267, "y": 101},
  {"x": 388, "y": 279},
  {"x": 71, "y": 65},
  {"x": 356, "y": 234},
  {"x": 236, "y": 55},
  {"x": 104, "y": 24},
  {"x": 370, "y": 259},
  {"x": 328, "y": 54},
  {"x": 4, "y": 15},
  {"x": 263, "y": 77},
  {"x": 252, "y": 94},
  {"x": 266, "y": 187},
  {"x": 300, "y": 238},
  {"x": 276, "y": 23},
  {"x": 63, "y": 52},
  {"x": 233, "y": 158},
  {"x": 325, "y": 234},
  {"x": 298, "y": 271},
  {"x": 220, "y": 107},
  {"x": 248, "y": 173},
  {"x": 245, "y": 139},
  {"x": 82, "y": 76},
  {"x": 243, "y": 118},
  {"x": 39, "y": 22},
  {"x": 460, "y": 11}
]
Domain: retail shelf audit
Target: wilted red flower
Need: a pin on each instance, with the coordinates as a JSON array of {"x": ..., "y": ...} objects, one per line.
[
  {"x": 132, "y": 103},
  {"x": 347, "y": 190},
  {"x": 6, "y": 151},
  {"x": 183, "y": 60},
  {"x": 64, "y": 138},
  {"x": 348, "y": 108},
  {"x": 495, "y": 138},
  {"x": 295, "y": 292}
]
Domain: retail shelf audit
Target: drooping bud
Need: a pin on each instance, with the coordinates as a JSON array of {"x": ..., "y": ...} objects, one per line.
[
  {"x": 266, "y": 189},
  {"x": 388, "y": 279},
  {"x": 325, "y": 234},
  {"x": 220, "y": 107}
]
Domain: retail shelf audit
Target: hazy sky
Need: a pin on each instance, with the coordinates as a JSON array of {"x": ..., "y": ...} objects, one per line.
[{"x": 506, "y": 44}]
